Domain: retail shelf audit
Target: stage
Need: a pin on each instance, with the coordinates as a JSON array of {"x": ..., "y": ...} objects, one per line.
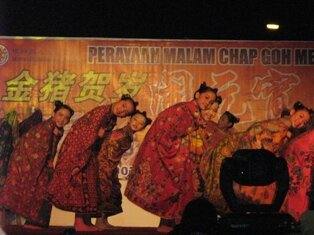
[
  {"x": 59, "y": 230},
  {"x": 62, "y": 230}
]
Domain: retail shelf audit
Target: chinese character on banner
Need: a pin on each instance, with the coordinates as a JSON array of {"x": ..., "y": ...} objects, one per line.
[
  {"x": 274, "y": 88},
  {"x": 93, "y": 86},
  {"x": 172, "y": 87},
  {"x": 57, "y": 86},
  {"x": 229, "y": 89},
  {"x": 20, "y": 87},
  {"x": 131, "y": 84},
  {"x": 227, "y": 86}
]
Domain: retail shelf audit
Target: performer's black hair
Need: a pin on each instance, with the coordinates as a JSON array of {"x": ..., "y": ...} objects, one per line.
[
  {"x": 59, "y": 105},
  {"x": 232, "y": 119},
  {"x": 148, "y": 120},
  {"x": 204, "y": 88},
  {"x": 128, "y": 97}
]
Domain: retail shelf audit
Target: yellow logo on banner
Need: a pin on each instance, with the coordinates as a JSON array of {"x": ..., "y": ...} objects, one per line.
[{"x": 4, "y": 55}]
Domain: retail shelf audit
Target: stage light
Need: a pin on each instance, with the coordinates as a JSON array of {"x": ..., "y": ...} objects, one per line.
[{"x": 272, "y": 26}]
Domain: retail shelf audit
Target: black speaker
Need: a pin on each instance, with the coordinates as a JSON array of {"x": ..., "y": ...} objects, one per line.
[{"x": 255, "y": 167}]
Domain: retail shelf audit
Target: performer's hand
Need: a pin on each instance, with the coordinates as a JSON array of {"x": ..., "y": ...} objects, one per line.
[
  {"x": 101, "y": 132},
  {"x": 75, "y": 177},
  {"x": 111, "y": 124},
  {"x": 75, "y": 171}
]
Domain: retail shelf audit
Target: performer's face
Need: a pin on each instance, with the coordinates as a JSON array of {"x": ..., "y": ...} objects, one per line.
[
  {"x": 137, "y": 122},
  {"x": 205, "y": 99},
  {"x": 211, "y": 112},
  {"x": 223, "y": 122},
  {"x": 62, "y": 117},
  {"x": 299, "y": 118},
  {"x": 122, "y": 108}
]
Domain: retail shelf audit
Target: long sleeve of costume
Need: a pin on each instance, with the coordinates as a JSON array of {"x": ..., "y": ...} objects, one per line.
[
  {"x": 110, "y": 198},
  {"x": 29, "y": 172},
  {"x": 156, "y": 181},
  {"x": 169, "y": 129},
  {"x": 76, "y": 148},
  {"x": 211, "y": 137},
  {"x": 6, "y": 147},
  {"x": 270, "y": 135},
  {"x": 300, "y": 158},
  {"x": 78, "y": 192}
]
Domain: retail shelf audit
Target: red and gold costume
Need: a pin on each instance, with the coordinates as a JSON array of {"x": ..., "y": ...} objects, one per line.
[
  {"x": 29, "y": 173},
  {"x": 300, "y": 158},
  {"x": 6, "y": 147},
  {"x": 112, "y": 149},
  {"x": 78, "y": 192},
  {"x": 161, "y": 178},
  {"x": 270, "y": 135}
]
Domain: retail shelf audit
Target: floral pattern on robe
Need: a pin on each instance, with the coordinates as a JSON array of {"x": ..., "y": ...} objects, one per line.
[
  {"x": 78, "y": 193},
  {"x": 204, "y": 138},
  {"x": 300, "y": 158},
  {"x": 112, "y": 149},
  {"x": 6, "y": 147},
  {"x": 160, "y": 181},
  {"x": 30, "y": 170},
  {"x": 270, "y": 135}
]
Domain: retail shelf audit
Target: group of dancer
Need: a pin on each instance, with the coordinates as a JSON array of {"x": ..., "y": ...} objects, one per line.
[
  {"x": 181, "y": 155},
  {"x": 85, "y": 179},
  {"x": 178, "y": 161}
]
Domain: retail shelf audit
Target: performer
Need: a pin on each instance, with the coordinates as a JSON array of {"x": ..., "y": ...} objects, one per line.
[
  {"x": 227, "y": 121},
  {"x": 270, "y": 134},
  {"x": 31, "y": 167},
  {"x": 74, "y": 183},
  {"x": 155, "y": 183},
  {"x": 207, "y": 136},
  {"x": 112, "y": 148},
  {"x": 211, "y": 136},
  {"x": 6, "y": 143},
  {"x": 300, "y": 159}
]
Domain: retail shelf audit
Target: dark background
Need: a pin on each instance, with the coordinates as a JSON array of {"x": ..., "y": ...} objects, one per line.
[{"x": 159, "y": 19}]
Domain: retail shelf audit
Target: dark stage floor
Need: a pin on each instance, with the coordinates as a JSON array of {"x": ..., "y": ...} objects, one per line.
[
  {"x": 58, "y": 230},
  {"x": 54, "y": 230}
]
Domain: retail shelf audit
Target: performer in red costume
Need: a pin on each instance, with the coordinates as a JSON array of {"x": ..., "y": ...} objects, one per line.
[
  {"x": 155, "y": 183},
  {"x": 199, "y": 141},
  {"x": 300, "y": 158},
  {"x": 31, "y": 167},
  {"x": 111, "y": 151},
  {"x": 74, "y": 184}
]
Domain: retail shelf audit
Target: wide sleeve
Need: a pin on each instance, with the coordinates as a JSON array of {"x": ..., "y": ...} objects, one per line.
[
  {"x": 6, "y": 146},
  {"x": 115, "y": 145},
  {"x": 270, "y": 135},
  {"x": 76, "y": 148},
  {"x": 111, "y": 152},
  {"x": 34, "y": 148},
  {"x": 171, "y": 127}
]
